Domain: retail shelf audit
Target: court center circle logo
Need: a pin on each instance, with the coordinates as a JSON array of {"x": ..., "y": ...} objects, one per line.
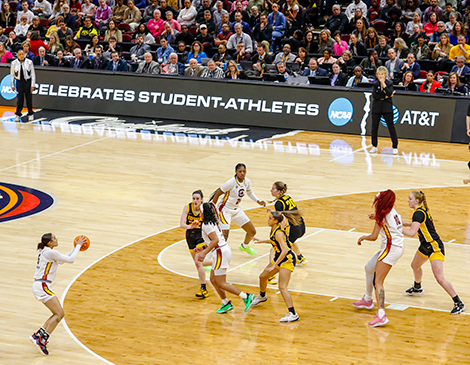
[
  {"x": 18, "y": 201},
  {"x": 340, "y": 112}
]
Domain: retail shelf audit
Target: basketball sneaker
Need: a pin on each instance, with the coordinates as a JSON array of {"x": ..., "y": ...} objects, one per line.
[
  {"x": 303, "y": 261},
  {"x": 289, "y": 318},
  {"x": 259, "y": 299},
  {"x": 39, "y": 344},
  {"x": 225, "y": 308},
  {"x": 458, "y": 308},
  {"x": 374, "y": 150},
  {"x": 395, "y": 151},
  {"x": 249, "y": 250},
  {"x": 30, "y": 118},
  {"x": 272, "y": 280},
  {"x": 249, "y": 299},
  {"x": 363, "y": 304},
  {"x": 379, "y": 321},
  {"x": 202, "y": 293},
  {"x": 414, "y": 291}
]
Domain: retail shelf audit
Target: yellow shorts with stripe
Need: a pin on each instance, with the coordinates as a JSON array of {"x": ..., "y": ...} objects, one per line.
[
  {"x": 288, "y": 264},
  {"x": 42, "y": 290},
  {"x": 432, "y": 250}
]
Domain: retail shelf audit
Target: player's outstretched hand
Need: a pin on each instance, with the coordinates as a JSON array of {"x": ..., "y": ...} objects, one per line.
[
  {"x": 359, "y": 241},
  {"x": 194, "y": 224},
  {"x": 466, "y": 181},
  {"x": 262, "y": 203},
  {"x": 269, "y": 210},
  {"x": 80, "y": 241},
  {"x": 256, "y": 240}
]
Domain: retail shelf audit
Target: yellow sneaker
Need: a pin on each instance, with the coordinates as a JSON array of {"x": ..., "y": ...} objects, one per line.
[
  {"x": 272, "y": 280},
  {"x": 202, "y": 293},
  {"x": 303, "y": 261}
]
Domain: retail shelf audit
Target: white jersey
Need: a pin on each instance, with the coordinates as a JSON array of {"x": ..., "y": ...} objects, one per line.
[
  {"x": 392, "y": 229},
  {"x": 208, "y": 229},
  {"x": 48, "y": 261},
  {"x": 234, "y": 192}
]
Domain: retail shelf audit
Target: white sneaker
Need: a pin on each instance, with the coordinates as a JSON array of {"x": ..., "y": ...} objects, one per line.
[
  {"x": 17, "y": 119},
  {"x": 289, "y": 318},
  {"x": 374, "y": 150},
  {"x": 31, "y": 118},
  {"x": 259, "y": 299},
  {"x": 395, "y": 151}
]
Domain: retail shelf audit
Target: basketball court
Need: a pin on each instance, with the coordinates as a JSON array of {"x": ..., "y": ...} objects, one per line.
[{"x": 130, "y": 298}]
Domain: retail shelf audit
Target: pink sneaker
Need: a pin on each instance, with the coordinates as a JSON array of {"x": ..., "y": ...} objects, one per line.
[
  {"x": 379, "y": 321},
  {"x": 363, "y": 304}
]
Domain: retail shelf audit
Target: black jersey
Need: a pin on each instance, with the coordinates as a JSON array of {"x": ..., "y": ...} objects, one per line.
[
  {"x": 277, "y": 246},
  {"x": 192, "y": 216},
  {"x": 427, "y": 232},
  {"x": 286, "y": 203}
]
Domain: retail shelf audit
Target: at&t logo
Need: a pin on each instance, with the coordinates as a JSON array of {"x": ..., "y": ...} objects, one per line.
[
  {"x": 340, "y": 112},
  {"x": 5, "y": 88}
]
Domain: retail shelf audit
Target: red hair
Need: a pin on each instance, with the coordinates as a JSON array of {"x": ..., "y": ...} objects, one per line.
[{"x": 383, "y": 203}]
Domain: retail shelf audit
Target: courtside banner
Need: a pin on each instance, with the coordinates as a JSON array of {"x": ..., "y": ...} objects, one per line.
[{"x": 306, "y": 107}]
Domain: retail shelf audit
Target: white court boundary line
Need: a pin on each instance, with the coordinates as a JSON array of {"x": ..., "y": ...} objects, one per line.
[{"x": 62, "y": 299}]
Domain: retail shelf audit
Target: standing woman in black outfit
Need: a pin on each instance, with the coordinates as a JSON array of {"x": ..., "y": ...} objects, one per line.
[
  {"x": 382, "y": 105},
  {"x": 22, "y": 70}
]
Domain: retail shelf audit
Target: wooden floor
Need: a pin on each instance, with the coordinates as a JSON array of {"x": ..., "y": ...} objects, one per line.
[{"x": 136, "y": 305}]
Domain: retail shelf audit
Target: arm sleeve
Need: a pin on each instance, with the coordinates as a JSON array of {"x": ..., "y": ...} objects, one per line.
[
  {"x": 418, "y": 217},
  {"x": 228, "y": 185},
  {"x": 60, "y": 258}
]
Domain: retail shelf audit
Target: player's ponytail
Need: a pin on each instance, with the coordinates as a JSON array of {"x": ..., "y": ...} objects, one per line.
[
  {"x": 45, "y": 239},
  {"x": 281, "y": 187},
  {"x": 421, "y": 198},
  {"x": 209, "y": 214},
  {"x": 383, "y": 203},
  {"x": 293, "y": 216}
]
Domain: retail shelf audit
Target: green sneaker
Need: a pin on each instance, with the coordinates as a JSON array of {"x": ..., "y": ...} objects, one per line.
[
  {"x": 207, "y": 268},
  {"x": 249, "y": 250},
  {"x": 249, "y": 299},
  {"x": 225, "y": 308}
]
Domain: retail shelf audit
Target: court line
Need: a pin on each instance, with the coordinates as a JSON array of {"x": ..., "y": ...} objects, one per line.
[
  {"x": 266, "y": 254},
  {"x": 64, "y": 294},
  {"x": 52, "y": 154}
]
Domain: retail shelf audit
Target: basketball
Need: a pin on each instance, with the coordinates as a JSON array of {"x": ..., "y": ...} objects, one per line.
[{"x": 86, "y": 242}]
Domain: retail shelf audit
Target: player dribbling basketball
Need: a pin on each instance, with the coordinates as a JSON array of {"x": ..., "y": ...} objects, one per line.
[
  {"x": 229, "y": 208},
  {"x": 46, "y": 270}
]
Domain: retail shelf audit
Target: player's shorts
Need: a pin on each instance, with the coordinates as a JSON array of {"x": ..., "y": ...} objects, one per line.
[
  {"x": 288, "y": 262},
  {"x": 236, "y": 216},
  {"x": 42, "y": 290},
  {"x": 221, "y": 260},
  {"x": 295, "y": 232},
  {"x": 391, "y": 255},
  {"x": 432, "y": 250},
  {"x": 194, "y": 239}
]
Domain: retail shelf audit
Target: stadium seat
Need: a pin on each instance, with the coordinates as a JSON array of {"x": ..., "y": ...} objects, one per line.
[
  {"x": 345, "y": 37},
  {"x": 379, "y": 26},
  {"x": 123, "y": 26},
  {"x": 423, "y": 74},
  {"x": 126, "y": 38}
]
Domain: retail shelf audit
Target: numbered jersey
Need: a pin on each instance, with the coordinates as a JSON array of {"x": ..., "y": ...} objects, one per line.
[
  {"x": 234, "y": 192},
  {"x": 285, "y": 203},
  {"x": 207, "y": 229},
  {"x": 392, "y": 229},
  {"x": 46, "y": 267},
  {"x": 192, "y": 216}
]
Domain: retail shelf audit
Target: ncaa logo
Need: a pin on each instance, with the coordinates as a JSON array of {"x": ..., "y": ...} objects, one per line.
[
  {"x": 5, "y": 88},
  {"x": 396, "y": 116},
  {"x": 340, "y": 112}
]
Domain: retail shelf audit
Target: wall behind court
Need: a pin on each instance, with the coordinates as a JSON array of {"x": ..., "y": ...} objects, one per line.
[{"x": 337, "y": 110}]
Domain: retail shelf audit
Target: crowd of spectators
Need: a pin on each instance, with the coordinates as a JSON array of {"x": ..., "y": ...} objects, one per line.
[{"x": 422, "y": 43}]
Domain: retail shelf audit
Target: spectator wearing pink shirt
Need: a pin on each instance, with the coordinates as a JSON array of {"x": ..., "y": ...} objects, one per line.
[
  {"x": 4, "y": 54},
  {"x": 156, "y": 25},
  {"x": 340, "y": 45},
  {"x": 102, "y": 15},
  {"x": 174, "y": 24}
]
